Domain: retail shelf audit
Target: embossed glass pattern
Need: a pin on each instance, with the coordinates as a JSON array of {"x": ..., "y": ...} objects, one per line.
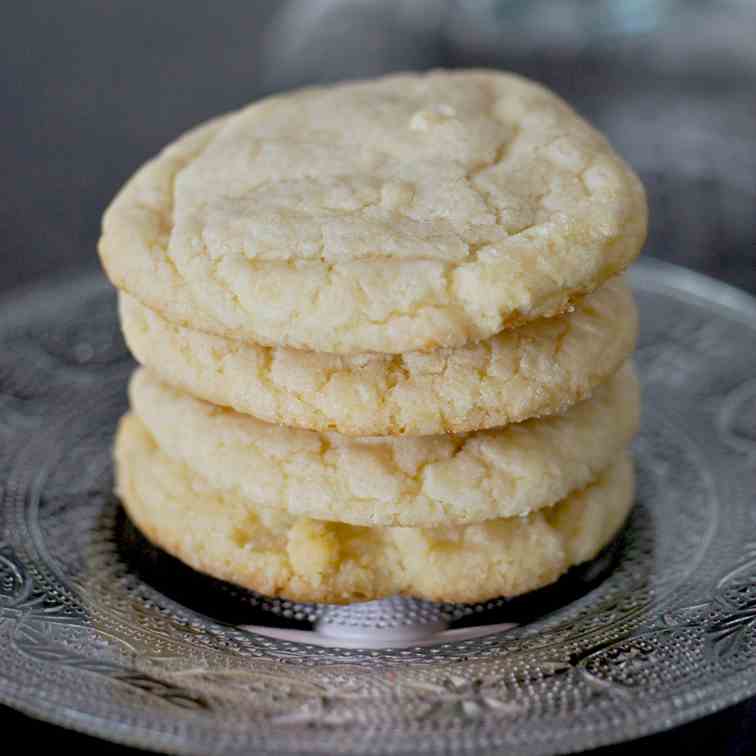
[{"x": 103, "y": 633}]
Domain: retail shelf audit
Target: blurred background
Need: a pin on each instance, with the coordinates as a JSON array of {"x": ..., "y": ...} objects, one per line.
[{"x": 90, "y": 89}]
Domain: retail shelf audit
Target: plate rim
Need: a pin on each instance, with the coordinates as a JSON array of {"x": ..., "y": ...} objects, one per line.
[{"x": 650, "y": 274}]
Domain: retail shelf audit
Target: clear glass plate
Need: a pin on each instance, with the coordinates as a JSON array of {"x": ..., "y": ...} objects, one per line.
[{"x": 105, "y": 634}]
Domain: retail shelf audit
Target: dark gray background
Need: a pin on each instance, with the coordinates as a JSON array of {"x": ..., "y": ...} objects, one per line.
[{"x": 90, "y": 88}]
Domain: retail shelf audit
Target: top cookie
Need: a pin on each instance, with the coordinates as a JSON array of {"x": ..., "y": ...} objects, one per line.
[{"x": 405, "y": 213}]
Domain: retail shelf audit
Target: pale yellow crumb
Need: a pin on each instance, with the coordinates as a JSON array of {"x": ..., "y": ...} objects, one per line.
[
  {"x": 405, "y": 213},
  {"x": 539, "y": 369},
  {"x": 427, "y": 480},
  {"x": 311, "y": 560}
]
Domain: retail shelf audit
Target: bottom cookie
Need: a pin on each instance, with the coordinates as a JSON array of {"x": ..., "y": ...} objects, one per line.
[{"x": 319, "y": 561}]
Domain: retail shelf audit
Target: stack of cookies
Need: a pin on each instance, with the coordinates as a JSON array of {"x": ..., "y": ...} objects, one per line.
[{"x": 384, "y": 340}]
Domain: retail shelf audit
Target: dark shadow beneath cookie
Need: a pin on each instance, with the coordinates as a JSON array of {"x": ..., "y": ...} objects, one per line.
[{"x": 228, "y": 604}]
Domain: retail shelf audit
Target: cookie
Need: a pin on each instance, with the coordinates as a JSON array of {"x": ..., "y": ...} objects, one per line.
[
  {"x": 401, "y": 214},
  {"x": 539, "y": 369},
  {"x": 423, "y": 481},
  {"x": 303, "y": 559}
]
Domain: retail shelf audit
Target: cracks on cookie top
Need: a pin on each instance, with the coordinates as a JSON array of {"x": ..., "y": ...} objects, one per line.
[
  {"x": 466, "y": 323},
  {"x": 500, "y": 154}
]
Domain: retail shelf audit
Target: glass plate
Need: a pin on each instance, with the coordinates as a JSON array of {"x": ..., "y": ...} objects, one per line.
[{"x": 105, "y": 634}]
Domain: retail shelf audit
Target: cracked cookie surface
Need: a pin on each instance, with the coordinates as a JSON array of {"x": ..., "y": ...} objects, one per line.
[
  {"x": 539, "y": 369},
  {"x": 425, "y": 480},
  {"x": 313, "y": 560},
  {"x": 406, "y": 213}
]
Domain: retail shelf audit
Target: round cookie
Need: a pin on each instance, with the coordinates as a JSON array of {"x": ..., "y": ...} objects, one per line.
[
  {"x": 405, "y": 213},
  {"x": 539, "y": 369},
  {"x": 423, "y": 481},
  {"x": 313, "y": 560}
]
